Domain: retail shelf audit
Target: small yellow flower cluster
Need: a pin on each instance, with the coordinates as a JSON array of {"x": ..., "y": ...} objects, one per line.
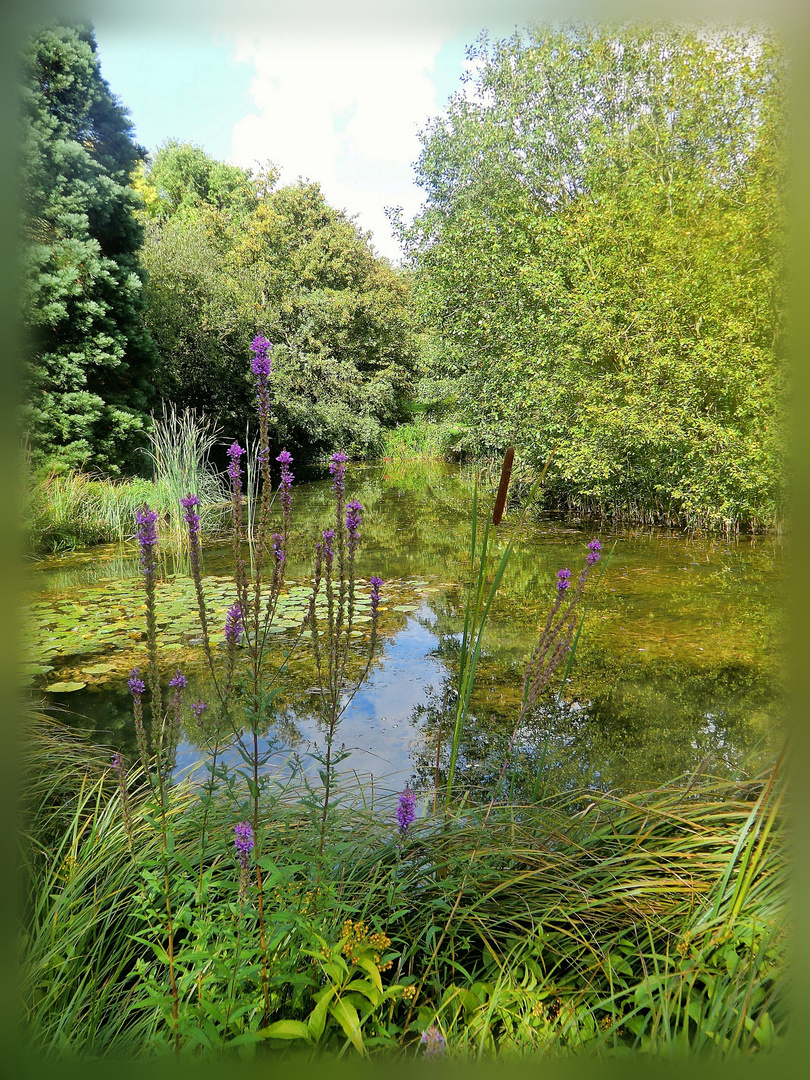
[
  {"x": 289, "y": 895},
  {"x": 359, "y": 940},
  {"x": 408, "y": 993}
]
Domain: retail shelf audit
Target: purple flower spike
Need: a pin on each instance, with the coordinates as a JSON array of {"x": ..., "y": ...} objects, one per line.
[
  {"x": 117, "y": 761},
  {"x": 235, "y": 452},
  {"x": 191, "y": 517},
  {"x": 260, "y": 363},
  {"x": 328, "y": 553},
  {"x": 198, "y": 708},
  {"x": 285, "y": 460},
  {"x": 406, "y": 810},
  {"x": 562, "y": 580},
  {"x": 277, "y": 541},
  {"x": 594, "y": 550},
  {"x": 233, "y": 625},
  {"x": 434, "y": 1042},
  {"x": 376, "y": 584},
  {"x": 354, "y": 516},
  {"x": 136, "y": 684},
  {"x": 243, "y": 840},
  {"x": 337, "y": 468},
  {"x": 179, "y": 681},
  {"x": 147, "y": 537}
]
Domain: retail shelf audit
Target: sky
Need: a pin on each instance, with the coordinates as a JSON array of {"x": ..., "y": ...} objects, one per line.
[
  {"x": 333, "y": 91},
  {"x": 340, "y": 105}
]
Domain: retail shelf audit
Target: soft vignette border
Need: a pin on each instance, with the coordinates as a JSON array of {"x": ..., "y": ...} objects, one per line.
[{"x": 793, "y": 17}]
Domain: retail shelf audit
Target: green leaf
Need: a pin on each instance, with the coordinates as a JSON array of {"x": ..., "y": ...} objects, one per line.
[
  {"x": 286, "y": 1029},
  {"x": 317, "y": 1018},
  {"x": 346, "y": 1015}
]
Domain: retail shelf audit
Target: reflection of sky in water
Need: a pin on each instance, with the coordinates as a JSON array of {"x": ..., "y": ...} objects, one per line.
[
  {"x": 376, "y": 727},
  {"x": 680, "y": 658}
]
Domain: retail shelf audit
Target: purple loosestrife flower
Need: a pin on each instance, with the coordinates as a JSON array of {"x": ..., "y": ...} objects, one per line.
[
  {"x": 337, "y": 468},
  {"x": 328, "y": 552},
  {"x": 235, "y": 452},
  {"x": 147, "y": 537},
  {"x": 406, "y": 810},
  {"x": 243, "y": 842},
  {"x": 261, "y": 369},
  {"x": 562, "y": 580},
  {"x": 594, "y": 550},
  {"x": 191, "y": 517},
  {"x": 260, "y": 347},
  {"x": 376, "y": 584},
  {"x": 233, "y": 625},
  {"x": 172, "y": 730},
  {"x": 243, "y": 839},
  {"x": 198, "y": 708},
  {"x": 277, "y": 541},
  {"x": 434, "y": 1042},
  {"x": 136, "y": 688},
  {"x": 354, "y": 516},
  {"x": 285, "y": 460},
  {"x": 136, "y": 684},
  {"x": 117, "y": 761}
]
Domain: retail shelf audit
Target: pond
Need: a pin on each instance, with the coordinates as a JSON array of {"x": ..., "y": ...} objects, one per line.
[{"x": 679, "y": 665}]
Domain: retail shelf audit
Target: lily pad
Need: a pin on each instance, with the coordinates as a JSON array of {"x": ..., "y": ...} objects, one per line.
[{"x": 65, "y": 687}]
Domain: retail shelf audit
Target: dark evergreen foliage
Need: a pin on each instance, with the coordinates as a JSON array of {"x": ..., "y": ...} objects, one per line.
[{"x": 90, "y": 359}]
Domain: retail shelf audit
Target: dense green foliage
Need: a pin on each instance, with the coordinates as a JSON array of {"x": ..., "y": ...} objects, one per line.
[
  {"x": 64, "y": 509},
  {"x": 89, "y": 366},
  {"x": 229, "y": 256},
  {"x": 600, "y": 259}
]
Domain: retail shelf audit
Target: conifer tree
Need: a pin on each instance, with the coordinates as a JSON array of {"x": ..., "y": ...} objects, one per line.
[{"x": 90, "y": 360}]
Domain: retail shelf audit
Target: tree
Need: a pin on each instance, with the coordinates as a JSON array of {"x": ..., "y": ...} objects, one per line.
[
  {"x": 90, "y": 362},
  {"x": 601, "y": 248},
  {"x": 286, "y": 265}
]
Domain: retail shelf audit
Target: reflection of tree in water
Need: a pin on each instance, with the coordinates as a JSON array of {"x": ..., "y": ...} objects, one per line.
[
  {"x": 679, "y": 660},
  {"x": 628, "y": 734}
]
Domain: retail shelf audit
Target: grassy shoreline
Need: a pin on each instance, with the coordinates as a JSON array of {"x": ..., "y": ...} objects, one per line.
[{"x": 591, "y": 924}]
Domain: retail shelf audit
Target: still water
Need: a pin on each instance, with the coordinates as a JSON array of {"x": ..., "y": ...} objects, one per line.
[{"x": 678, "y": 667}]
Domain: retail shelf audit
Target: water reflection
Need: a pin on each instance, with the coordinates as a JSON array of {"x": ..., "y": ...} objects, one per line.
[{"x": 678, "y": 667}]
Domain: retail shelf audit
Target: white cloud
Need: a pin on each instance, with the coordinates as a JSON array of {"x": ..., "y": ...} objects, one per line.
[{"x": 343, "y": 110}]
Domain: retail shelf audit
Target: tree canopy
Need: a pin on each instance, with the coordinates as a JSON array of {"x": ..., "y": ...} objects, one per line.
[
  {"x": 89, "y": 364},
  {"x": 600, "y": 259},
  {"x": 231, "y": 255}
]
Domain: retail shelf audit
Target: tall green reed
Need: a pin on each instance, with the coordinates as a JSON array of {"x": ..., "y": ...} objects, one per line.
[
  {"x": 180, "y": 445},
  {"x": 480, "y": 595}
]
